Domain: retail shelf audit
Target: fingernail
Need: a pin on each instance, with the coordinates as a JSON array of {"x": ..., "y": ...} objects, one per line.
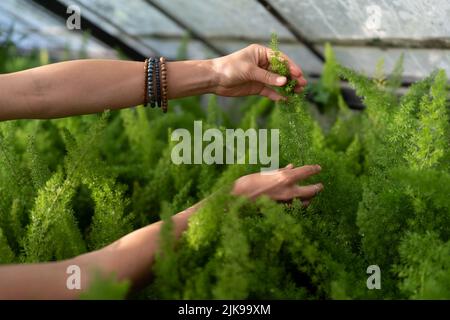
[
  {"x": 281, "y": 80},
  {"x": 318, "y": 167},
  {"x": 296, "y": 73},
  {"x": 319, "y": 187}
]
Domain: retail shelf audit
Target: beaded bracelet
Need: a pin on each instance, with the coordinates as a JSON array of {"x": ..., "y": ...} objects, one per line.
[
  {"x": 145, "y": 83},
  {"x": 150, "y": 85},
  {"x": 162, "y": 62},
  {"x": 158, "y": 84}
]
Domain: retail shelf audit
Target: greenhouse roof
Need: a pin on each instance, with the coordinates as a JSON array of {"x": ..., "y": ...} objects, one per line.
[{"x": 361, "y": 32}]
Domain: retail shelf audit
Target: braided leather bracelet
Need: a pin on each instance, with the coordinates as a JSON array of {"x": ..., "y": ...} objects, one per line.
[
  {"x": 162, "y": 62},
  {"x": 156, "y": 83}
]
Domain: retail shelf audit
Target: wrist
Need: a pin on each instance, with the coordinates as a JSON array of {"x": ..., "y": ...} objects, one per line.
[
  {"x": 189, "y": 78},
  {"x": 212, "y": 75},
  {"x": 219, "y": 70}
]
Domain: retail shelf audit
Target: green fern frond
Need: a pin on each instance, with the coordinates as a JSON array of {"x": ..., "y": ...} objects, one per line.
[
  {"x": 428, "y": 145},
  {"x": 6, "y": 254},
  {"x": 53, "y": 232},
  {"x": 109, "y": 221}
]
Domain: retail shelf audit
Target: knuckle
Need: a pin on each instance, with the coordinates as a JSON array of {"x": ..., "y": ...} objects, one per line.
[
  {"x": 319, "y": 187},
  {"x": 304, "y": 191},
  {"x": 310, "y": 169},
  {"x": 287, "y": 197},
  {"x": 285, "y": 177},
  {"x": 255, "y": 48},
  {"x": 247, "y": 69},
  {"x": 260, "y": 52},
  {"x": 267, "y": 76}
]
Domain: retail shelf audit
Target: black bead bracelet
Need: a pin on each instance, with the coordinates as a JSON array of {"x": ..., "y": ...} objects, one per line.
[
  {"x": 158, "y": 84},
  {"x": 150, "y": 87}
]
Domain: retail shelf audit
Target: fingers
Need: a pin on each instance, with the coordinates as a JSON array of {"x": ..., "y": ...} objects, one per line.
[
  {"x": 272, "y": 79},
  {"x": 289, "y": 166},
  {"x": 304, "y": 193},
  {"x": 268, "y": 78},
  {"x": 263, "y": 55},
  {"x": 301, "y": 173},
  {"x": 271, "y": 94},
  {"x": 298, "y": 89},
  {"x": 305, "y": 203},
  {"x": 301, "y": 83},
  {"x": 307, "y": 192},
  {"x": 295, "y": 71}
]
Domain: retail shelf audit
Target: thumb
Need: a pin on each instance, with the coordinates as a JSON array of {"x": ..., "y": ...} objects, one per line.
[{"x": 268, "y": 78}]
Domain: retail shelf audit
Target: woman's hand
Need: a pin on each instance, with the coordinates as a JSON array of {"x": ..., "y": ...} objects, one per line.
[
  {"x": 90, "y": 86},
  {"x": 281, "y": 185},
  {"x": 245, "y": 72}
]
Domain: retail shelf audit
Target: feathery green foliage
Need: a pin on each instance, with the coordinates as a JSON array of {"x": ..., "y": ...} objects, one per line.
[
  {"x": 106, "y": 288},
  {"x": 77, "y": 184}
]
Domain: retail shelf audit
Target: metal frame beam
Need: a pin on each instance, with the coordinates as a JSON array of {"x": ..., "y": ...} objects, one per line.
[
  {"x": 390, "y": 43},
  {"x": 60, "y": 10},
  {"x": 296, "y": 33},
  {"x": 194, "y": 34},
  {"x": 384, "y": 43}
]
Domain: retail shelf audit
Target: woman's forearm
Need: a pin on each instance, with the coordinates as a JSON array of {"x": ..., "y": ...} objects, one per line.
[
  {"x": 132, "y": 256},
  {"x": 90, "y": 86},
  {"x": 129, "y": 258}
]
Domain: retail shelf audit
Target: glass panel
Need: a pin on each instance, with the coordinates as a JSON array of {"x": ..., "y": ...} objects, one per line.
[
  {"x": 139, "y": 25},
  {"x": 225, "y": 22},
  {"x": 368, "y": 18},
  {"x": 303, "y": 57},
  {"x": 34, "y": 27},
  {"x": 417, "y": 62},
  {"x": 237, "y": 18},
  {"x": 134, "y": 17},
  {"x": 170, "y": 48}
]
